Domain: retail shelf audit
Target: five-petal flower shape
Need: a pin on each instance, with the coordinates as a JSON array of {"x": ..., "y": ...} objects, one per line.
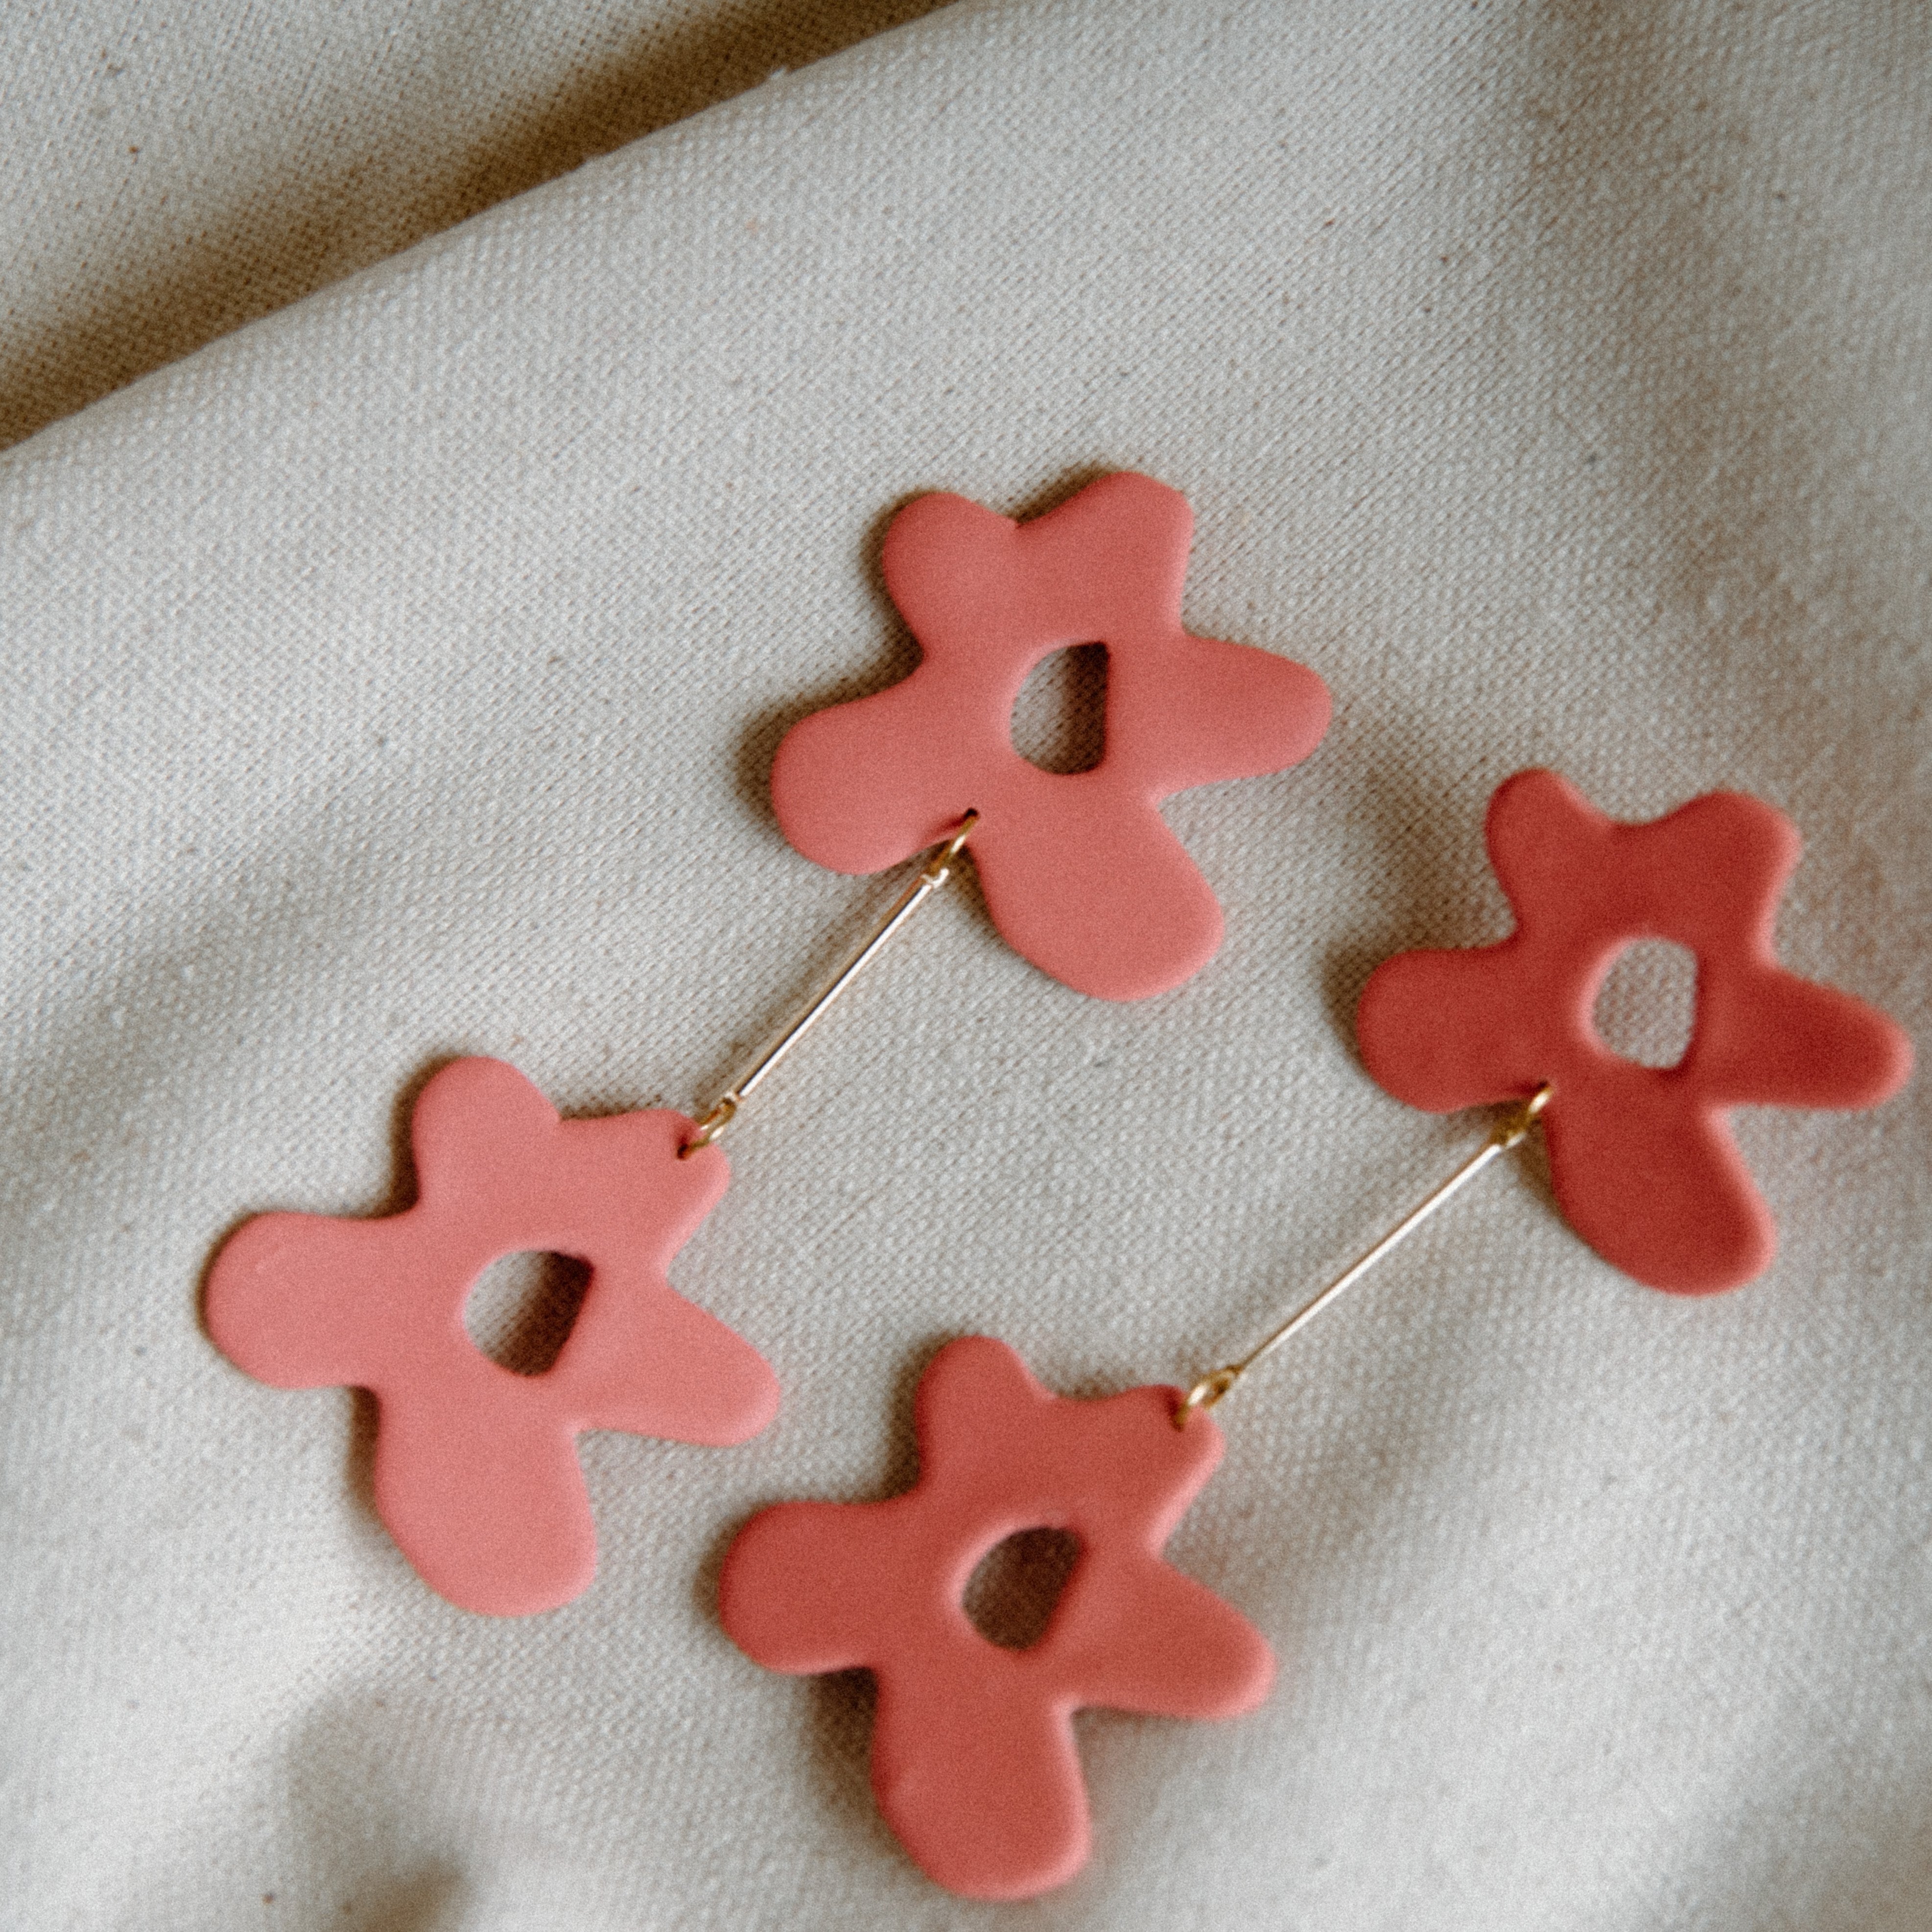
[
  {"x": 476, "y": 1475},
  {"x": 973, "y": 1762},
  {"x": 1641, "y": 1159},
  {"x": 1080, "y": 872}
]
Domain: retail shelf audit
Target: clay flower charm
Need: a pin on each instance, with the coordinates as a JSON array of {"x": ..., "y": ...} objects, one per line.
[
  {"x": 1641, "y": 1158},
  {"x": 974, "y": 1763},
  {"x": 1081, "y": 874},
  {"x": 476, "y": 1475}
]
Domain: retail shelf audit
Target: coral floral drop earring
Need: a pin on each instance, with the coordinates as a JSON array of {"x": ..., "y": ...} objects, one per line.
[
  {"x": 476, "y": 1475},
  {"x": 973, "y": 1764},
  {"x": 1080, "y": 873},
  {"x": 1641, "y": 1161}
]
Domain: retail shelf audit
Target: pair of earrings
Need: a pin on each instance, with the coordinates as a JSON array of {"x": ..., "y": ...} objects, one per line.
[{"x": 973, "y": 1761}]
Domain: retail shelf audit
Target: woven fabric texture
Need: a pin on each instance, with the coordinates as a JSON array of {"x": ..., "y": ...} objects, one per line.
[
  {"x": 177, "y": 167},
  {"x": 397, "y": 677}
]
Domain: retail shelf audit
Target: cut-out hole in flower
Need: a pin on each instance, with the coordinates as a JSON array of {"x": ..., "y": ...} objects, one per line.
[
  {"x": 1080, "y": 872},
  {"x": 522, "y": 1308},
  {"x": 1642, "y": 1161},
  {"x": 1014, "y": 1591},
  {"x": 1060, "y": 718},
  {"x": 1646, "y": 1008},
  {"x": 974, "y": 1758},
  {"x": 476, "y": 1472}
]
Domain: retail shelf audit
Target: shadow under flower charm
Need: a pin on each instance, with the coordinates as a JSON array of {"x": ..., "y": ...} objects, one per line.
[
  {"x": 973, "y": 1762},
  {"x": 476, "y": 1475},
  {"x": 1081, "y": 873}
]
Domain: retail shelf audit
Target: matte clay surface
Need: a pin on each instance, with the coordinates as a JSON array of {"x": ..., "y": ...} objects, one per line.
[
  {"x": 398, "y": 678},
  {"x": 1081, "y": 874},
  {"x": 476, "y": 1473},
  {"x": 973, "y": 1762},
  {"x": 1641, "y": 1158}
]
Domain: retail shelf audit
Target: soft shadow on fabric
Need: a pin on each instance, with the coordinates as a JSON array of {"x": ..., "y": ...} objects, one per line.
[
  {"x": 1059, "y": 722},
  {"x": 1017, "y": 1585},
  {"x": 280, "y": 241},
  {"x": 354, "y": 1864},
  {"x": 520, "y": 1309}
]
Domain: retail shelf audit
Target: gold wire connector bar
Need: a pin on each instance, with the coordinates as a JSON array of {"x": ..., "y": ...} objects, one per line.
[
  {"x": 932, "y": 875},
  {"x": 1509, "y": 1133}
]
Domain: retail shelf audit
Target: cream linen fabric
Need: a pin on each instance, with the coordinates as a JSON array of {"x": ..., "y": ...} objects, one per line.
[
  {"x": 397, "y": 678},
  {"x": 178, "y": 167}
]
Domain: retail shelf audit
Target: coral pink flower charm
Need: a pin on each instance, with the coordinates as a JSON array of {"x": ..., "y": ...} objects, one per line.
[
  {"x": 974, "y": 1763},
  {"x": 1641, "y": 1158},
  {"x": 476, "y": 1475},
  {"x": 1080, "y": 872}
]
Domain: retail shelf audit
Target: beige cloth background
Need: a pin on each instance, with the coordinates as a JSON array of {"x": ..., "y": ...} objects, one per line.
[
  {"x": 397, "y": 677},
  {"x": 180, "y": 168}
]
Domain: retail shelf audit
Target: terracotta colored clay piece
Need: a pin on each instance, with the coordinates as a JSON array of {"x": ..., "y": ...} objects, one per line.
[
  {"x": 973, "y": 1762},
  {"x": 476, "y": 1475},
  {"x": 1080, "y": 872},
  {"x": 1641, "y": 1159}
]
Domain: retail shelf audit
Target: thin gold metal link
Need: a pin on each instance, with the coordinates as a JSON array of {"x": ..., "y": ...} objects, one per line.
[
  {"x": 932, "y": 875},
  {"x": 1510, "y": 1132}
]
